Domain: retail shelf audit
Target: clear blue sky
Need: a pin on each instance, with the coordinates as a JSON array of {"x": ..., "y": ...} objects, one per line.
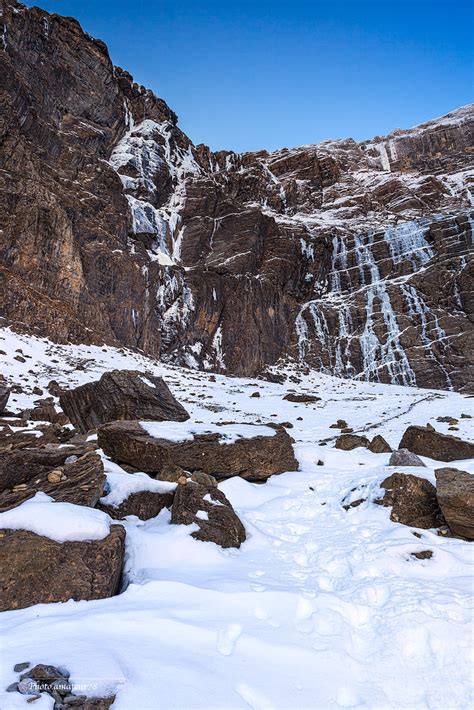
[{"x": 247, "y": 75}]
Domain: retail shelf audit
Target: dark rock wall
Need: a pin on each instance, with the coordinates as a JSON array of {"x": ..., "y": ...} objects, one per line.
[{"x": 353, "y": 258}]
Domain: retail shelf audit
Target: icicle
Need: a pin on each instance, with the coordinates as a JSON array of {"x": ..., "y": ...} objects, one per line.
[{"x": 407, "y": 242}]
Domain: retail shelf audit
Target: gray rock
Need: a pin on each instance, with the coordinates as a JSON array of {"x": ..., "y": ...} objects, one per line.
[
  {"x": 12, "y": 688},
  {"x": 347, "y": 442},
  {"x": 403, "y": 457},
  {"x": 28, "y": 686},
  {"x": 19, "y": 667},
  {"x": 61, "y": 686},
  {"x": 64, "y": 672}
]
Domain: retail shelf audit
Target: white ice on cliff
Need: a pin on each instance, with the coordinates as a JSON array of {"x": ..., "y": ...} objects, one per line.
[
  {"x": 146, "y": 149},
  {"x": 330, "y": 327},
  {"x": 406, "y": 243}
]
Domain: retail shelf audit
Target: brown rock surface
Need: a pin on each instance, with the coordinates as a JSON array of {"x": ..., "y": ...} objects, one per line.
[
  {"x": 254, "y": 459},
  {"x": 121, "y": 394},
  {"x": 23, "y": 465},
  {"x": 207, "y": 507},
  {"x": 347, "y": 442},
  {"x": 378, "y": 445},
  {"x": 412, "y": 499},
  {"x": 295, "y": 253},
  {"x": 442, "y": 447},
  {"x": 144, "y": 504},
  {"x": 80, "y": 482},
  {"x": 303, "y": 398},
  {"x": 37, "y": 570},
  {"x": 455, "y": 493}
]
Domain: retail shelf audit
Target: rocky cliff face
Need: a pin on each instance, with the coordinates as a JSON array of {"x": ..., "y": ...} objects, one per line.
[{"x": 350, "y": 257}]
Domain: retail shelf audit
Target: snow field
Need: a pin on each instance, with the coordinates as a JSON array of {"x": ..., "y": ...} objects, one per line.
[{"x": 321, "y": 608}]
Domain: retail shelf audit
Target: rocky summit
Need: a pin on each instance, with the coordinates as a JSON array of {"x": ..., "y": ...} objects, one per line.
[{"x": 351, "y": 258}]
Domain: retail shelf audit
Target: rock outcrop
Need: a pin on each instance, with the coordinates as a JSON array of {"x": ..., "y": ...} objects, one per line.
[
  {"x": 22, "y": 465},
  {"x": 404, "y": 457},
  {"x": 208, "y": 508},
  {"x": 412, "y": 499},
  {"x": 38, "y": 570},
  {"x": 455, "y": 492},
  {"x": 442, "y": 447},
  {"x": 255, "y": 458},
  {"x": 350, "y": 257},
  {"x": 80, "y": 482},
  {"x": 121, "y": 394}
]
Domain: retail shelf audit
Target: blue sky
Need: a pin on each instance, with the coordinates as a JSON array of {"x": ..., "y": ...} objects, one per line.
[{"x": 248, "y": 75}]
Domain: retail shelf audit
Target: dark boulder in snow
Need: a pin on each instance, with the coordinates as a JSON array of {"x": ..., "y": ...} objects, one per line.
[
  {"x": 301, "y": 398},
  {"x": 378, "y": 445},
  {"x": 403, "y": 457},
  {"x": 37, "y": 570},
  {"x": 4, "y": 395},
  {"x": 347, "y": 442},
  {"x": 455, "y": 492},
  {"x": 118, "y": 395},
  {"x": 209, "y": 509},
  {"x": 78, "y": 480},
  {"x": 253, "y": 457},
  {"x": 143, "y": 504},
  {"x": 442, "y": 447},
  {"x": 412, "y": 499}
]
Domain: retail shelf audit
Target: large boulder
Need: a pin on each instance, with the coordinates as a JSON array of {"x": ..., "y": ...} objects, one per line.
[
  {"x": 22, "y": 465},
  {"x": 37, "y": 570},
  {"x": 254, "y": 458},
  {"x": 208, "y": 508},
  {"x": 121, "y": 394},
  {"x": 78, "y": 480},
  {"x": 412, "y": 499},
  {"x": 347, "y": 442},
  {"x": 455, "y": 493},
  {"x": 442, "y": 447},
  {"x": 403, "y": 457}
]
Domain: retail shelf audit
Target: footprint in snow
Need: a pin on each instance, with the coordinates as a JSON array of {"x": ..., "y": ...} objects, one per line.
[
  {"x": 227, "y": 638},
  {"x": 254, "y": 698}
]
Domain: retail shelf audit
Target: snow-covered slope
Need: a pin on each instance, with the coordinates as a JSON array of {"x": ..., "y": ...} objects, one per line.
[{"x": 320, "y": 608}]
